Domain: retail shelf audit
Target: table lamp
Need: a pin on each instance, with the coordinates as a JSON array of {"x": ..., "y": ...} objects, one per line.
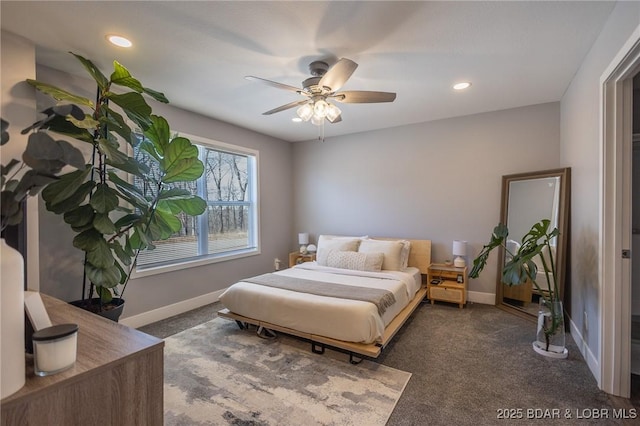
[
  {"x": 460, "y": 251},
  {"x": 303, "y": 240}
]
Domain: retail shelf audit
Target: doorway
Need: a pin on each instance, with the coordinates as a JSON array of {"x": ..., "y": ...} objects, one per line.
[
  {"x": 635, "y": 245},
  {"x": 616, "y": 226}
]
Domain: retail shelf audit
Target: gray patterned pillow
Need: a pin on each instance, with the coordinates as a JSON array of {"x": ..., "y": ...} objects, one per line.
[{"x": 355, "y": 260}]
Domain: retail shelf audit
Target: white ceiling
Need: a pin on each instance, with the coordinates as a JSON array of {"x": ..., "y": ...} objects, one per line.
[{"x": 197, "y": 53}]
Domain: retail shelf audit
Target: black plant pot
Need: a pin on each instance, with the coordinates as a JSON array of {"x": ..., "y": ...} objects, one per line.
[{"x": 111, "y": 310}]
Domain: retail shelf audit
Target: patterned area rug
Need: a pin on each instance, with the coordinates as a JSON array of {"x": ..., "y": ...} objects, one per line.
[{"x": 217, "y": 374}]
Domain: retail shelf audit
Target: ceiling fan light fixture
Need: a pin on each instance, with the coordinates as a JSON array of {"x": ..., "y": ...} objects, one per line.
[
  {"x": 305, "y": 112},
  {"x": 320, "y": 108},
  {"x": 333, "y": 112}
]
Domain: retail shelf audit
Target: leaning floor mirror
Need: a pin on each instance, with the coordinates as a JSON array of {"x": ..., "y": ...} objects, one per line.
[{"x": 527, "y": 198}]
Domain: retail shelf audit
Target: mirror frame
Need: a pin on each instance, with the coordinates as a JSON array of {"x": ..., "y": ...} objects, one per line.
[{"x": 563, "y": 225}]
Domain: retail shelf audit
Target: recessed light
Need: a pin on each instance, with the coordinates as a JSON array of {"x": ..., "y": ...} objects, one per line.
[
  {"x": 461, "y": 86},
  {"x": 296, "y": 119},
  {"x": 119, "y": 40}
]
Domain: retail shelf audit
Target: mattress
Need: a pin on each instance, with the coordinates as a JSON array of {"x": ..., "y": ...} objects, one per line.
[{"x": 342, "y": 319}]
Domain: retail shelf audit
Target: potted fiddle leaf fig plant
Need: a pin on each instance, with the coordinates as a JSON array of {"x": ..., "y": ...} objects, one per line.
[
  {"x": 114, "y": 219},
  {"x": 521, "y": 266}
]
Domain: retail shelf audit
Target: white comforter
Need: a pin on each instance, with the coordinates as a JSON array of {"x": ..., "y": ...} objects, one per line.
[{"x": 348, "y": 320}]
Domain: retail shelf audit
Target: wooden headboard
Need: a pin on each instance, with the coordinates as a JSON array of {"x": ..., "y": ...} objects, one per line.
[{"x": 420, "y": 254}]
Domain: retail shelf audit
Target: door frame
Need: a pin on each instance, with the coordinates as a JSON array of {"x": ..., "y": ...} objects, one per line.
[{"x": 616, "y": 94}]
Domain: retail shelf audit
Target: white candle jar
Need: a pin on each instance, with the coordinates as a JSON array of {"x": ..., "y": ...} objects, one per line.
[{"x": 54, "y": 349}]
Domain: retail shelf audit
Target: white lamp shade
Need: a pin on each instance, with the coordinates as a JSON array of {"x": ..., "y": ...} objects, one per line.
[
  {"x": 459, "y": 248},
  {"x": 303, "y": 238}
]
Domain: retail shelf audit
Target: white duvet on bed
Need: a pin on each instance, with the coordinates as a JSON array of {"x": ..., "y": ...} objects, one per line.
[{"x": 348, "y": 320}]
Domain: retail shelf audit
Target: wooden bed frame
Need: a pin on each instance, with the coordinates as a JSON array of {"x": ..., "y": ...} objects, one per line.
[{"x": 419, "y": 257}]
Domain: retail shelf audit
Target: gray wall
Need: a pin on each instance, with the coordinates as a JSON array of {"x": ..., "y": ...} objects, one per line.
[
  {"x": 438, "y": 180},
  {"x": 580, "y": 150},
  {"x": 61, "y": 270}
]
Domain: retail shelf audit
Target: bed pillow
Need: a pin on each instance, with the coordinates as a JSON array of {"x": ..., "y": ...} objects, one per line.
[
  {"x": 392, "y": 251},
  {"x": 355, "y": 260},
  {"x": 328, "y": 243}
]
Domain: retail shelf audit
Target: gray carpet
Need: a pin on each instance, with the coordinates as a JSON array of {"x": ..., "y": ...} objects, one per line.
[{"x": 467, "y": 365}]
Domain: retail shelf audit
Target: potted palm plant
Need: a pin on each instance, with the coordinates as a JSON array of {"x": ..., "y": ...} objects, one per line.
[
  {"x": 112, "y": 218},
  {"x": 520, "y": 267}
]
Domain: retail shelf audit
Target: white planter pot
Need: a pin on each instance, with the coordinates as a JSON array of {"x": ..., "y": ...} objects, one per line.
[{"x": 12, "y": 353}]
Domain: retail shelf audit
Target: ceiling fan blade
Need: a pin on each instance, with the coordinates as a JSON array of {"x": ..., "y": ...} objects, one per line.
[
  {"x": 276, "y": 84},
  {"x": 363, "y": 97},
  {"x": 338, "y": 74},
  {"x": 285, "y": 107}
]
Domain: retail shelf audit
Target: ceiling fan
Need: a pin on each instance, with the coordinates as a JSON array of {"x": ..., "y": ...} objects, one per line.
[{"x": 323, "y": 86}]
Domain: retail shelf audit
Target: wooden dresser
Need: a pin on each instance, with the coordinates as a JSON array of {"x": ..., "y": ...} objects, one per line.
[{"x": 117, "y": 378}]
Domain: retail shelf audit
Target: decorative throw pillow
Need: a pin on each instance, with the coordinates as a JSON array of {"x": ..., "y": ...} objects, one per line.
[
  {"x": 356, "y": 261},
  {"x": 326, "y": 245},
  {"x": 392, "y": 251},
  {"x": 404, "y": 255}
]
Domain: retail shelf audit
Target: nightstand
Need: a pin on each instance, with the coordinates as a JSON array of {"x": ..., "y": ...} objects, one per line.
[
  {"x": 295, "y": 258},
  {"x": 447, "y": 283}
]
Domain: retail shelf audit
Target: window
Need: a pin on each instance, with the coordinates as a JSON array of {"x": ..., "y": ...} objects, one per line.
[{"x": 229, "y": 226}]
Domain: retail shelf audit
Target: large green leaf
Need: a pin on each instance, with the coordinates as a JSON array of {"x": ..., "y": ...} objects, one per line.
[
  {"x": 73, "y": 201},
  {"x": 134, "y": 106},
  {"x": 108, "y": 277},
  {"x": 192, "y": 205},
  {"x": 104, "y": 224},
  {"x": 94, "y": 71},
  {"x": 168, "y": 222},
  {"x": 60, "y": 94},
  {"x": 132, "y": 166},
  {"x": 88, "y": 240},
  {"x": 116, "y": 123},
  {"x": 498, "y": 237},
  {"x": 174, "y": 193},
  {"x": 185, "y": 170},
  {"x": 101, "y": 256},
  {"x": 122, "y": 77},
  {"x": 104, "y": 199},
  {"x": 79, "y": 216},
  {"x": 127, "y": 220},
  {"x": 65, "y": 187},
  {"x": 159, "y": 134},
  {"x": 131, "y": 192},
  {"x": 178, "y": 149},
  {"x": 111, "y": 149},
  {"x": 125, "y": 258},
  {"x": 158, "y": 96}
]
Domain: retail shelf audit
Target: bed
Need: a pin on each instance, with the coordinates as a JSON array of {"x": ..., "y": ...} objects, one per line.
[{"x": 354, "y": 297}]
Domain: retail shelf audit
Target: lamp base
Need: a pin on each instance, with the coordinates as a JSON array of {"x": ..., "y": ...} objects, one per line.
[{"x": 459, "y": 262}]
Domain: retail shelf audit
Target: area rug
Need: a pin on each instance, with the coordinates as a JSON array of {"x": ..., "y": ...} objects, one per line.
[{"x": 217, "y": 374}]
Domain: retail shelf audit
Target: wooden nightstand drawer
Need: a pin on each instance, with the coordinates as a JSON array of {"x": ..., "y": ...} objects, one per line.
[
  {"x": 446, "y": 294},
  {"x": 447, "y": 283}
]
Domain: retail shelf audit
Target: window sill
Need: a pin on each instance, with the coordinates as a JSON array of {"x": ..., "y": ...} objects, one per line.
[{"x": 156, "y": 270}]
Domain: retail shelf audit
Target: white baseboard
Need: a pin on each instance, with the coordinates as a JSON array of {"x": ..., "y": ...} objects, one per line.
[
  {"x": 480, "y": 297},
  {"x": 585, "y": 350},
  {"x": 168, "y": 311}
]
